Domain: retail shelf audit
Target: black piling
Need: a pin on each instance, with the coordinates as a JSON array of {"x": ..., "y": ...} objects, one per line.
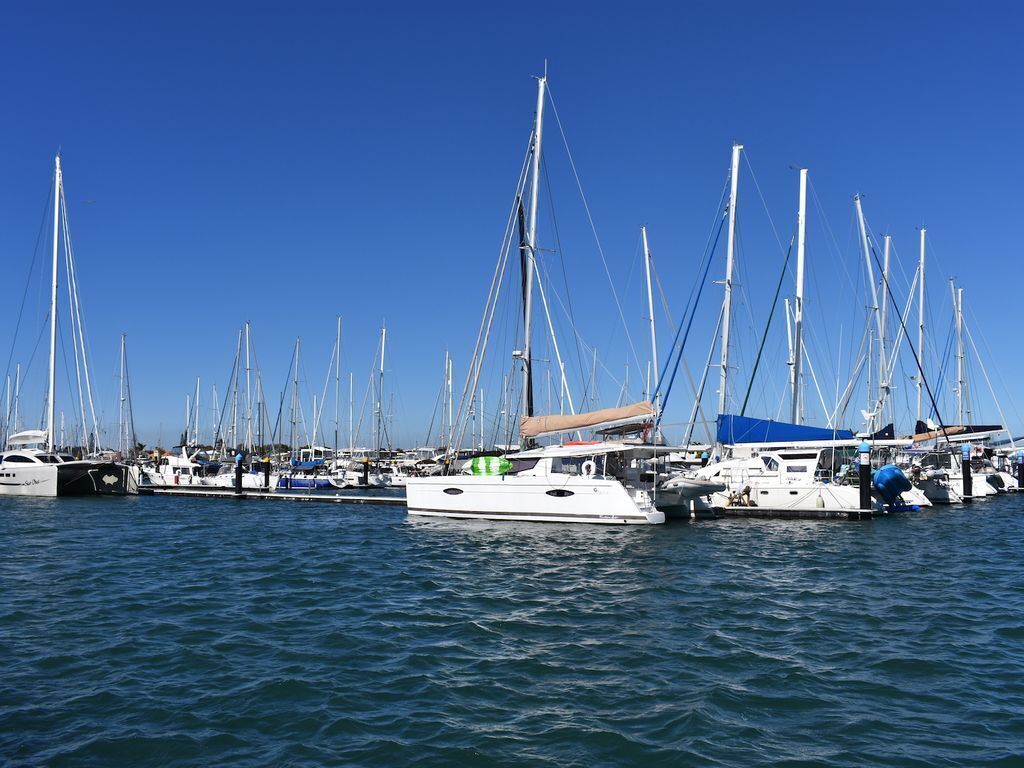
[
  {"x": 965, "y": 467},
  {"x": 865, "y": 476},
  {"x": 238, "y": 474},
  {"x": 266, "y": 473}
]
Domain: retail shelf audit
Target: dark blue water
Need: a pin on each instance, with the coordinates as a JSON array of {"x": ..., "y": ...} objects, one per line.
[{"x": 166, "y": 632}]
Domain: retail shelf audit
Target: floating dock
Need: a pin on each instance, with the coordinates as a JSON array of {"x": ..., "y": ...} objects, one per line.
[
  {"x": 198, "y": 492},
  {"x": 783, "y": 513}
]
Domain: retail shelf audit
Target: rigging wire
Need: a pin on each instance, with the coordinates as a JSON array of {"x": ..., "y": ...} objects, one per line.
[
  {"x": 593, "y": 229},
  {"x": 767, "y": 325}
]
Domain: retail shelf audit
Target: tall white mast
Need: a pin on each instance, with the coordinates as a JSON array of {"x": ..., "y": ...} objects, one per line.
[
  {"x": 380, "y": 389},
  {"x": 17, "y": 396},
  {"x": 798, "y": 304},
  {"x": 295, "y": 397},
  {"x": 451, "y": 397},
  {"x": 531, "y": 244},
  {"x": 53, "y": 307},
  {"x": 883, "y": 360},
  {"x": 920, "y": 327},
  {"x": 337, "y": 387},
  {"x": 872, "y": 401},
  {"x": 122, "y": 428},
  {"x": 734, "y": 175},
  {"x": 958, "y": 308},
  {"x": 195, "y": 435},
  {"x": 248, "y": 393},
  {"x": 650, "y": 313}
]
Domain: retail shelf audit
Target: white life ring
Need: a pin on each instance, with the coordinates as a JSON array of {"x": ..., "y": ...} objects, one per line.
[{"x": 588, "y": 468}]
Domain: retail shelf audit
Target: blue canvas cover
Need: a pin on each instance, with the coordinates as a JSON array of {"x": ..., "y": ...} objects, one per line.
[{"x": 743, "y": 429}]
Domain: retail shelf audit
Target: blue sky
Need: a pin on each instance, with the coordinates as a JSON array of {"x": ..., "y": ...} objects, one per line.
[{"x": 286, "y": 164}]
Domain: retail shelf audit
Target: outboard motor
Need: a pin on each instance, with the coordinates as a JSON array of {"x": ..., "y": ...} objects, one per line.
[{"x": 890, "y": 482}]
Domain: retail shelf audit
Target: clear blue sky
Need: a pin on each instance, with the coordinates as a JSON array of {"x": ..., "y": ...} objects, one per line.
[{"x": 288, "y": 163}]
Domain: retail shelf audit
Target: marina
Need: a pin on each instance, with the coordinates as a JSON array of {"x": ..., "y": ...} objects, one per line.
[{"x": 432, "y": 385}]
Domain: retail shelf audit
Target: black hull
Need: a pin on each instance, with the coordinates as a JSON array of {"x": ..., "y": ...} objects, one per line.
[{"x": 92, "y": 478}]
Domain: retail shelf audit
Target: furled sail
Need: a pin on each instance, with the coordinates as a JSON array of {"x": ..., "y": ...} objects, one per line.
[
  {"x": 744, "y": 429},
  {"x": 538, "y": 426}
]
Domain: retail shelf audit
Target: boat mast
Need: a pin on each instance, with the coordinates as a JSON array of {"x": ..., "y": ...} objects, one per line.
[
  {"x": 17, "y": 396},
  {"x": 53, "y": 307},
  {"x": 730, "y": 252},
  {"x": 121, "y": 426},
  {"x": 531, "y": 249},
  {"x": 248, "y": 393},
  {"x": 195, "y": 435},
  {"x": 883, "y": 361},
  {"x": 451, "y": 398},
  {"x": 380, "y": 391},
  {"x": 295, "y": 397},
  {"x": 874, "y": 296},
  {"x": 921, "y": 322},
  {"x": 650, "y": 313},
  {"x": 798, "y": 304},
  {"x": 337, "y": 386},
  {"x": 958, "y": 308}
]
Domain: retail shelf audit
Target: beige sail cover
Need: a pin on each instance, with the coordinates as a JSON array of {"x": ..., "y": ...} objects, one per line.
[
  {"x": 532, "y": 426},
  {"x": 923, "y": 437}
]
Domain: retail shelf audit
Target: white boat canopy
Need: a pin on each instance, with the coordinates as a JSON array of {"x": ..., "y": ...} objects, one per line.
[{"x": 28, "y": 437}]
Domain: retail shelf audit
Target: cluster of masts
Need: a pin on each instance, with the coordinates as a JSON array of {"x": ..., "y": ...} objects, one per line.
[{"x": 243, "y": 423}]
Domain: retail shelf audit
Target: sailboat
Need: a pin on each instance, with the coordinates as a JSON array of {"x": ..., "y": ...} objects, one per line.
[
  {"x": 31, "y": 465},
  {"x": 576, "y": 482}
]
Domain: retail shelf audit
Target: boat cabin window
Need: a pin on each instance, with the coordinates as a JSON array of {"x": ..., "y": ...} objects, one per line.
[
  {"x": 770, "y": 463},
  {"x": 573, "y": 465},
  {"x": 66, "y": 457},
  {"x": 19, "y": 459},
  {"x": 49, "y": 458}
]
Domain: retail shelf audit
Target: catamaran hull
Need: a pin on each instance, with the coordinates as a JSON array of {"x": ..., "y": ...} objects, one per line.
[
  {"x": 73, "y": 478},
  {"x": 677, "y": 496},
  {"x": 95, "y": 479},
  {"x": 567, "y": 499}
]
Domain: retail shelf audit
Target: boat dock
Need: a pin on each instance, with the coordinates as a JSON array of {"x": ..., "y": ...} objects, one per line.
[
  {"x": 783, "y": 513},
  {"x": 197, "y": 492}
]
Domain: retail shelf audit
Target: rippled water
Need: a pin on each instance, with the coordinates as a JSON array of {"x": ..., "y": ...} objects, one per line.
[{"x": 168, "y": 632}]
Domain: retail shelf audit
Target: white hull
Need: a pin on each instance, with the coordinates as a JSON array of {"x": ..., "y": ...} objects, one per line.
[
  {"x": 552, "y": 499},
  {"x": 167, "y": 477},
  {"x": 30, "y": 480}
]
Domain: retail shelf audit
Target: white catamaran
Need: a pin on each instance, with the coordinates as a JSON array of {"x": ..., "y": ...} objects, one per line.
[
  {"x": 31, "y": 465},
  {"x": 579, "y": 482}
]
